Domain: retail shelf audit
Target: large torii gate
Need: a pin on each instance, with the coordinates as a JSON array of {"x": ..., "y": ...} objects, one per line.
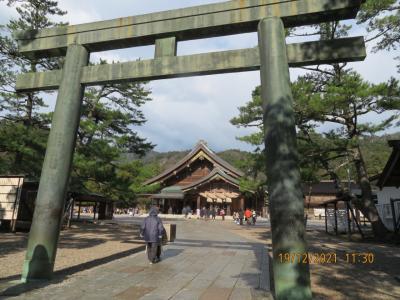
[{"x": 165, "y": 29}]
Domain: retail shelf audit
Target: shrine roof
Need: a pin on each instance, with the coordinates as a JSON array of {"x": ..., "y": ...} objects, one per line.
[
  {"x": 217, "y": 173},
  {"x": 201, "y": 149}
]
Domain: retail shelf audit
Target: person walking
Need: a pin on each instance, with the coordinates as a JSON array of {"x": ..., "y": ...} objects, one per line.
[
  {"x": 222, "y": 214},
  {"x": 241, "y": 215},
  {"x": 254, "y": 217},
  {"x": 235, "y": 217},
  {"x": 198, "y": 213},
  {"x": 213, "y": 212},
  {"x": 152, "y": 231},
  {"x": 207, "y": 213},
  {"x": 188, "y": 212},
  {"x": 247, "y": 215}
]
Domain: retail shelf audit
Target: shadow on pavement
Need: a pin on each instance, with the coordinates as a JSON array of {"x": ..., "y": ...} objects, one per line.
[
  {"x": 252, "y": 279},
  {"x": 169, "y": 253},
  {"x": 16, "y": 288}
]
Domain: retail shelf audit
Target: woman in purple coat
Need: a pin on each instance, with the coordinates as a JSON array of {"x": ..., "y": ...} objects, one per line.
[{"x": 152, "y": 230}]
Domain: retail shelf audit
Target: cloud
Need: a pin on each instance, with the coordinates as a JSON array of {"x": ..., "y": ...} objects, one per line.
[
  {"x": 188, "y": 109},
  {"x": 6, "y": 13}
]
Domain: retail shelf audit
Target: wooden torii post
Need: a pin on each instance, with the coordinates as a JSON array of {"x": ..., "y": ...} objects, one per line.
[{"x": 273, "y": 58}]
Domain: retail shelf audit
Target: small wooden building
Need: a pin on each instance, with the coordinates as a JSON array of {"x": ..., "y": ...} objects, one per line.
[
  {"x": 200, "y": 179},
  {"x": 316, "y": 194},
  {"x": 17, "y": 201},
  {"x": 102, "y": 206},
  {"x": 18, "y": 197},
  {"x": 388, "y": 193}
]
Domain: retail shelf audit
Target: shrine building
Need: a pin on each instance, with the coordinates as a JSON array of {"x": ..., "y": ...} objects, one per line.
[{"x": 200, "y": 179}]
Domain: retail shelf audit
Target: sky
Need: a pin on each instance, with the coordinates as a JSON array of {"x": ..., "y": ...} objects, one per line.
[{"x": 185, "y": 110}]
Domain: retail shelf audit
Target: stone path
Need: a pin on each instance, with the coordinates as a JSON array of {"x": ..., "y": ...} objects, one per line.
[{"x": 207, "y": 261}]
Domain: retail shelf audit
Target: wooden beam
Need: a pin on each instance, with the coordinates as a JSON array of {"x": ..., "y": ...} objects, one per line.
[
  {"x": 303, "y": 54},
  {"x": 231, "y": 17}
]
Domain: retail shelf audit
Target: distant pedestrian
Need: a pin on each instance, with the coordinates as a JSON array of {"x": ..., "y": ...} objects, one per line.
[
  {"x": 184, "y": 212},
  {"x": 247, "y": 215},
  {"x": 198, "y": 213},
  {"x": 202, "y": 212},
  {"x": 235, "y": 217},
  {"x": 213, "y": 213},
  {"x": 207, "y": 213},
  {"x": 222, "y": 213},
  {"x": 241, "y": 216},
  {"x": 152, "y": 231},
  {"x": 254, "y": 217}
]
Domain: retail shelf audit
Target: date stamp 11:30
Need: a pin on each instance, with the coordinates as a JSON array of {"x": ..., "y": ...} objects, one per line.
[{"x": 327, "y": 258}]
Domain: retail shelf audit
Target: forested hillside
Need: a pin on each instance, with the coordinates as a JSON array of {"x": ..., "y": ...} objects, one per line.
[{"x": 375, "y": 149}]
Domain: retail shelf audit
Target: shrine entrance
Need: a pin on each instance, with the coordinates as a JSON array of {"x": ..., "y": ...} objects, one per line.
[{"x": 272, "y": 57}]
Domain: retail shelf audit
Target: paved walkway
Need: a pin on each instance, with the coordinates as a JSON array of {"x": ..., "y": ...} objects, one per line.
[{"x": 207, "y": 261}]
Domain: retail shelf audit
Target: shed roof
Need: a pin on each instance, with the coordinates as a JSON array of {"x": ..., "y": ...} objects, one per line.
[
  {"x": 390, "y": 175},
  {"x": 171, "y": 192}
]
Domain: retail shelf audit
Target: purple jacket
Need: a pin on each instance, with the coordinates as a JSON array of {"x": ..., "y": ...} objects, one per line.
[{"x": 152, "y": 227}]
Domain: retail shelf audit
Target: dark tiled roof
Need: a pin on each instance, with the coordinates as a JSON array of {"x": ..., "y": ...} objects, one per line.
[{"x": 171, "y": 192}]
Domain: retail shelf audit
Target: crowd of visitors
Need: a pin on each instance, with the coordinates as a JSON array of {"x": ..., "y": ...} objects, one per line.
[
  {"x": 248, "y": 216},
  {"x": 127, "y": 211},
  {"x": 205, "y": 213}
]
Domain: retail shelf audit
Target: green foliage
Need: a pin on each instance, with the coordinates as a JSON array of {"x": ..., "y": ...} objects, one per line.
[
  {"x": 22, "y": 148},
  {"x": 341, "y": 97},
  {"x": 238, "y": 159},
  {"x": 106, "y": 132},
  {"x": 333, "y": 96},
  {"x": 382, "y": 18},
  {"x": 110, "y": 114},
  {"x": 24, "y": 128}
]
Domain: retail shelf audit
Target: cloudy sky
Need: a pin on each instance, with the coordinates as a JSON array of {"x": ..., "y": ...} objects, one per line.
[{"x": 186, "y": 110}]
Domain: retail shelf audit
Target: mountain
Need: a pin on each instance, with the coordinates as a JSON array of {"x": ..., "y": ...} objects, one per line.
[{"x": 375, "y": 149}]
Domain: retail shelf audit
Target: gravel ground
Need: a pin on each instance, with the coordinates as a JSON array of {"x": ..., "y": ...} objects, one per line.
[
  {"x": 86, "y": 246},
  {"x": 81, "y": 247},
  {"x": 343, "y": 280}
]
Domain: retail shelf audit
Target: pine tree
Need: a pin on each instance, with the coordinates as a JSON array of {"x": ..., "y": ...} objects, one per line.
[
  {"x": 23, "y": 125},
  {"x": 382, "y": 19},
  {"x": 105, "y": 133},
  {"x": 339, "y": 96}
]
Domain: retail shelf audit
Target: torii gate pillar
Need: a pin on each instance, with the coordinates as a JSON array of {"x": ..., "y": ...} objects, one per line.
[
  {"x": 45, "y": 229},
  {"x": 292, "y": 280}
]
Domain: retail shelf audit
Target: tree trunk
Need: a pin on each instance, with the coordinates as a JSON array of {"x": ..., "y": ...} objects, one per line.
[{"x": 367, "y": 205}]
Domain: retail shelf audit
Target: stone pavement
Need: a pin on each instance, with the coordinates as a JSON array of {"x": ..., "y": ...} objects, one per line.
[{"x": 207, "y": 261}]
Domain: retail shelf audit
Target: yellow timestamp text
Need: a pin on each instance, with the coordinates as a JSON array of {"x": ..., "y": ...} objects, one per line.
[{"x": 327, "y": 258}]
